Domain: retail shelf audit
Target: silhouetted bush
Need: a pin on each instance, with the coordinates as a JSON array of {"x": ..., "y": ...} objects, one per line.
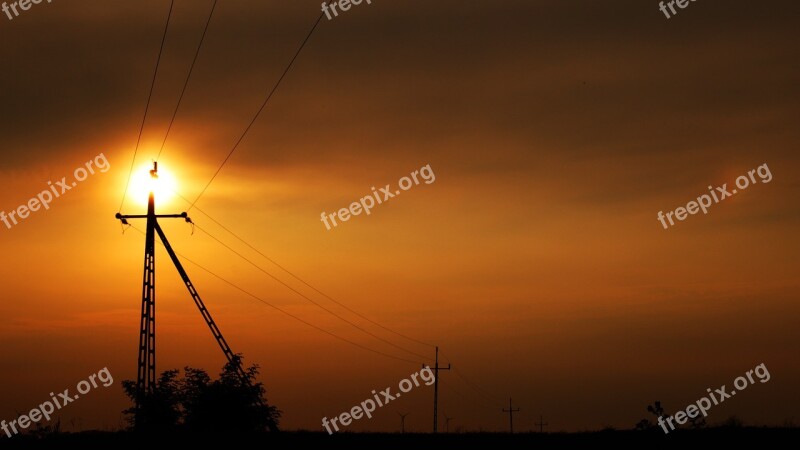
[{"x": 197, "y": 403}]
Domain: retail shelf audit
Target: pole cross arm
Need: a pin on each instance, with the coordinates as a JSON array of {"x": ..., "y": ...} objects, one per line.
[
  {"x": 124, "y": 217},
  {"x": 158, "y": 216}
]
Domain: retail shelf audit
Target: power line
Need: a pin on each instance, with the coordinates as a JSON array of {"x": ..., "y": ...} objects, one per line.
[
  {"x": 188, "y": 77},
  {"x": 378, "y": 352},
  {"x": 484, "y": 393},
  {"x": 302, "y": 280},
  {"x": 451, "y": 388},
  {"x": 263, "y": 105},
  {"x": 147, "y": 106},
  {"x": 288, "y": 287},
  {"x": 192, "y": 204},
  {"x": 305, "y": 282},
  {"x": 474, "y": 387},
  {"x": 306, "y": 297},
  {"x": 235, "y": 286},
  {"x": 241, "y": 138}
]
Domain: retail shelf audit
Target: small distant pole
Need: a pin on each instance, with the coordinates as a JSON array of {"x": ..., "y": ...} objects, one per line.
[
  {"x": 402, "y": 422},
  {"x": 541, "y": 424},
  {"x": 447, "y": 423},
  {"x": 511, "y": 412}
]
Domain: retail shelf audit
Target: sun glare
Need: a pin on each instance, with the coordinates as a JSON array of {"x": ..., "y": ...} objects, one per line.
[{"x": 164, "y": 187}]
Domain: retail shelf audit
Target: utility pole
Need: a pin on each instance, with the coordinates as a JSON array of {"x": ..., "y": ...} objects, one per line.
[
  {"x": 402, "y": 422},
  {"x": 146, "y": 370},
  {"x": 541, "y": 425},
  {"x": 447, "y": 423},
  {"x": 146, "y": 376},
  {"x": 436, "y": 370},
  {"x": 511, "y": 412}
]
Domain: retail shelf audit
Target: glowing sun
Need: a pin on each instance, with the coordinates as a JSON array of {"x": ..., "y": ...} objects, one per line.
[{"x": 142, "y": 183}]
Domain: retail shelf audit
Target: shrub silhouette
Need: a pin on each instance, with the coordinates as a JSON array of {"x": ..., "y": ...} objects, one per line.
[
  {"x": 159, "y": 410},
  {"x": 657, "y": 410},
  {"x": 197, "y": 403}
]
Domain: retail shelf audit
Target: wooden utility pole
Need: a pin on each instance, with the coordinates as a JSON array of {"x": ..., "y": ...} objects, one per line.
[
  {"x": 402, "y": 422},
  {"x": 436, "y": 370},
  {"x": 511, "y": 412},
  {"x": 447, "y": 423},
  {"x": 541, "y": 425}
]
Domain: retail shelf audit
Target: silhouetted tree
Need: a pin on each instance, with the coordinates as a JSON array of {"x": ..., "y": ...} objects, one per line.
[
  {"x": 655, "y": 409},
  {"x": 732, "y": 422},
  {"x": 228, "y": 404},
  {"x": 158, "y": 411},
  {"x": 41, "y": 430},
  {"x": 197, "y": 403},
  {"x": 698, "y": 421}
]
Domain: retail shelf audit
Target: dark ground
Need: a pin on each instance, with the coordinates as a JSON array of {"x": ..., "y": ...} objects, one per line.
[{"x": 755, "y": 438}]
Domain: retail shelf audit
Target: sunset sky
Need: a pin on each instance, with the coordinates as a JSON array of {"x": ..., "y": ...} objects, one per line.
[{"x": 556, "y": 130}]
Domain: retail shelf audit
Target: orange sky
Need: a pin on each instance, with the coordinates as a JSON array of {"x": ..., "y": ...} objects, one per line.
[{"x": 556, "y": 131}]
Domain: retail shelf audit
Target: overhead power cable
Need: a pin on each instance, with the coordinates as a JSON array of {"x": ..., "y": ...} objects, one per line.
[
  {"x": 263, "y": 105},
  {"x": 451, "y": 388},
  {"x": 188, "y": 77},
  {"x": 483, "y": 392},
  {"x": 147, "y": 106},
  {"x": 287, "y": 286},
  {"x": 237, "y": 287},
  {"x": 310, "y": 286}
]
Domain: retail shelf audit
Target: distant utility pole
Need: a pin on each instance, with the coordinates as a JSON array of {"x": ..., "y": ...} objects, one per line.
[
  {"x": 402, "y": 422},
  {"x": 447, "y": 423},
  {"x": 511, "y": 412},
  {"x": 541, "y": 425},
  {"x": 436, "y": 370}
]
